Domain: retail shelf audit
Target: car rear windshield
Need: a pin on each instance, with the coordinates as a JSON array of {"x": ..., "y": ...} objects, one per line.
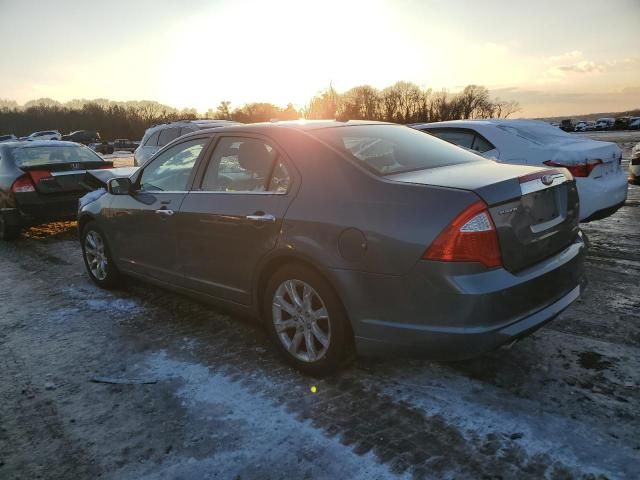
[
  {"x": 47, "y": 155},
  {"x": 389, "y": 149}
]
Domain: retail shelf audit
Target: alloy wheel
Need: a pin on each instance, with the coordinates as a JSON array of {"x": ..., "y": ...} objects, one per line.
[
  {"x": 301, "y": 320},
  {"x": 95, "y": 253}
]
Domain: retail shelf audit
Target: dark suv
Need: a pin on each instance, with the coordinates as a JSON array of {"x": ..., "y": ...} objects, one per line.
[
  {"x": 568, "y": 125},
  {"x": 83, "y": 136}
]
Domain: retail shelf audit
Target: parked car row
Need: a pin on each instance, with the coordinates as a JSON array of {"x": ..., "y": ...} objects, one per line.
[
  {"x": 80, "y": 136},
  {"x": 118, "y": 145},
  {"x": 607, "y": 123},
  {"x": 341, "y": 237}
]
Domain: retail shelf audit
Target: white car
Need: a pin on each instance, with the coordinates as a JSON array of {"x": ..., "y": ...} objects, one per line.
[
  {"x": 605, "y": 123},
  {"x": 158, "y": 136},
  {"x": 45, "y": 135},
  {"x": 634, "y": 165},
  {"x": 581, "y": 126},
  {"x": 602, "y": 184},
  {"x": 8, "y": 138}
]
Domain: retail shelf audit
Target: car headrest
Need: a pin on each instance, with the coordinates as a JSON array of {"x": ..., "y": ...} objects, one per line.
[{"x": 254, "y": 156}]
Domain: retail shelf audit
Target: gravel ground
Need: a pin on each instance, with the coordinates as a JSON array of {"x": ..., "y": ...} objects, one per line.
[{"x": 201, "y": 393}]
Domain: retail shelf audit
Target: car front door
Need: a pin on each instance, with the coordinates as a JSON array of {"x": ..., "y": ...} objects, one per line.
[
  {"x": 233, "y": 215},
  {"x": 143, "y": 227}
]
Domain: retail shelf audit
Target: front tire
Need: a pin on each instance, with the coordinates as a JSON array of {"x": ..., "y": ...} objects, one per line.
[
  {"x": 307, "y": 321},
  {"x": 97, "y": 257}
]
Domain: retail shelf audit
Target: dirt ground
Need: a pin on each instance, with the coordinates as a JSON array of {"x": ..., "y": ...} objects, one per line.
[{"x": 200, "y": 393}]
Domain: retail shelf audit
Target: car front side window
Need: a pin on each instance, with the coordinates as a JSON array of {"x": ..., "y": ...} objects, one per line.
[{"x": 171, "y": 170}]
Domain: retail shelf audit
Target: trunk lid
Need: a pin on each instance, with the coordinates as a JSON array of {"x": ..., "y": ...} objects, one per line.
[
  {"x": 534, "y": 220},
  {"x": 57, "y": 178},
  {"x": 605, "y": 156},
  {"x": 95, "y": 179}
]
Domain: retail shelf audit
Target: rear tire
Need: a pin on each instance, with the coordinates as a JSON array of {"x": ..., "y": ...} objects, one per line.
[
  {"x": 307, "y": 321},
  {"x": 8, "y": 232},
  {"x": 97, "y": 257}
]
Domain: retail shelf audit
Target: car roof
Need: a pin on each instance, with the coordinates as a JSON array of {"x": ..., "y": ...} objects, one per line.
[
  {"x": 40, "y": 143},
  {"x": 200, "y": 124},
  {"x": 483, "y": 122},
  {"x": 301, "y": 125}
]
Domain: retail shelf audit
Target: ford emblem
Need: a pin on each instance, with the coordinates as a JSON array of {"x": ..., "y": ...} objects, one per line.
[{"x": 547, "y": 179}]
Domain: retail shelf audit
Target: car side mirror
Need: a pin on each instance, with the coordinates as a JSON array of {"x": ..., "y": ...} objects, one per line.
[{"x": 119, "y": 186}]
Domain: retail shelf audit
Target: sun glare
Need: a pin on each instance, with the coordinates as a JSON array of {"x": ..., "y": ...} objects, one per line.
[{"x": 284, "y": 54}]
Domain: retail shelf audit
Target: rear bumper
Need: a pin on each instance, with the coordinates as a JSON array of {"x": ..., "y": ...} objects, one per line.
[
  {"x": 601, "y": 195},
  {"x": 33, "y": 209},
  {"x": 454, "y": 311},
  {"x": 604, "y": 213}
]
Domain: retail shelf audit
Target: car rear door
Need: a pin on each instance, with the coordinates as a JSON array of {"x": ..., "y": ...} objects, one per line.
[
  {"x": 232, "y": 217},
  {"x": 143, "y": 227}
]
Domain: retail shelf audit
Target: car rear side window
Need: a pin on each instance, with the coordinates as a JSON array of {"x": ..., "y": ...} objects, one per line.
[
  {"x": 481, "y": 144},
  {"x": 462, "y": 138},
  {"x": 152, "y": 141},
  {"x": 388, "y": 149},
  {"x": 245, "y": 165},
  {"x": 167, "y": 135}
]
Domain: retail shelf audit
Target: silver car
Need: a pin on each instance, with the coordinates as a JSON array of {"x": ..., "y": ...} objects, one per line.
[
  {"x": 158, "y": 136},
  {"x": 348, "y": 235}
]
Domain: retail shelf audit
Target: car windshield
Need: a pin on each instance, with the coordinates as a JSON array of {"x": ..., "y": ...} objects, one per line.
[
  {"x": 539, "y": 134},
  {"x": 47, "y": 155},
  {"x": 389, "y": 149}
]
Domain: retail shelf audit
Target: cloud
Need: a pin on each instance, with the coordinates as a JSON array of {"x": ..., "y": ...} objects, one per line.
[
  {"x": 584, "y": 66},
  {"x": 566, "y": 57},
  {"x": 573, "y": 62}
]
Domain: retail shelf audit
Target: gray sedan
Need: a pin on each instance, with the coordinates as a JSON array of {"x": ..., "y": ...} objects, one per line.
[{"x": 345, "y": 237}]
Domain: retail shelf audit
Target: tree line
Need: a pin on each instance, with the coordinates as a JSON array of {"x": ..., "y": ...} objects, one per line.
[{"x": 403, "y": 102}]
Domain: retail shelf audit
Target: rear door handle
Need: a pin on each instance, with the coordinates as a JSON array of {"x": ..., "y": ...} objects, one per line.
[
  {"x": 267, "y": 217},
  {"x": 164, "y": 211}
]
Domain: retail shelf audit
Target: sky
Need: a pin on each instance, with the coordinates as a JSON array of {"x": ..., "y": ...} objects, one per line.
[{"x": 556, "y": 57}]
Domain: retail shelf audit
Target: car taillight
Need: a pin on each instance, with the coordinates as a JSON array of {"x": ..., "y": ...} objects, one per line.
[
  {"x": 23, "y": 184},
  {"x": 576, "y": 169},
  {"x": 470, "y": 237},
  {"x": 37, "y": 175}
]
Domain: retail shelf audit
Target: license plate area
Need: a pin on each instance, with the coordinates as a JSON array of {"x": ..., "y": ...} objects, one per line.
[{"x": 544, "y": 205}]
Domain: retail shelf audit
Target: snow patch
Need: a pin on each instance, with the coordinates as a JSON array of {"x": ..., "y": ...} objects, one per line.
[
  {"x": 261, "y": 438},
  {"x": 121, "y": 305},
  {"x": 91, "y": 197}
]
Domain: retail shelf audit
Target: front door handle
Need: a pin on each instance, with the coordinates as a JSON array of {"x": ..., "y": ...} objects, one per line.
[
  {"x": 266, "y": 217},
  {"x": 164, "y": 211}
]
